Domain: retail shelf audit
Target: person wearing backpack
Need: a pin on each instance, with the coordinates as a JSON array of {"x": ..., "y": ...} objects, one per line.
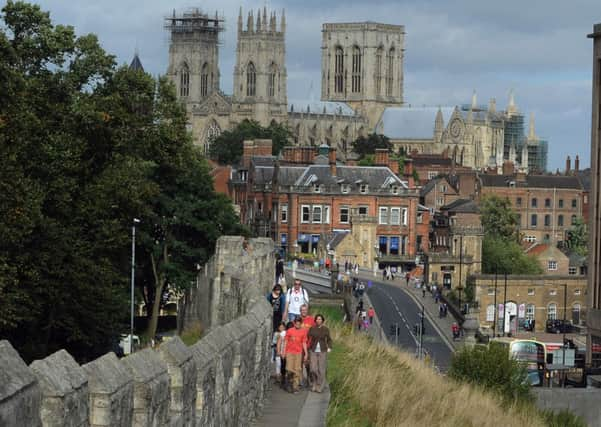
[{"x": 295, "y": 298}]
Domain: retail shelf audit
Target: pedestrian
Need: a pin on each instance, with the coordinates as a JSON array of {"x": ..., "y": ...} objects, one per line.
[
  {"x": 320, "y": 345},
  {"x": 277, "y": 301},
  {"x": 371, "y": 313},
  {"x": 407, "y": 276},
  {"x": 295, "y": 297},
  {"x": 423, "y": 292},
  {"x": 440, "y": 311},
  {"x": 445, "y": 309},
  {"x": 455, "y": 330},
  {"x": 356, "y": 268},
  {"x": 383, "y": 274},
  {"x": 295, "y": 353},
  {"x": 307, "y": 322},
  {"x": 280, "y": 364},
  {"x": 361, "y": 289},
  {"x": 364, "y": 322}
]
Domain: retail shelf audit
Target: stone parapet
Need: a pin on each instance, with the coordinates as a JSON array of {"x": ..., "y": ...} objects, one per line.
[{"x": 219, "y": 381}]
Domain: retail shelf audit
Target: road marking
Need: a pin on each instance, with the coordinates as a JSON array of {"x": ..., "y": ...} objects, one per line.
[{"x": 401, "y": 315}]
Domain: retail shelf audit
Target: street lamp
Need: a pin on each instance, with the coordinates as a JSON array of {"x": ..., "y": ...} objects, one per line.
[
  {"x": 460, "y": 287},
  {"x": 133, "y": 280}
]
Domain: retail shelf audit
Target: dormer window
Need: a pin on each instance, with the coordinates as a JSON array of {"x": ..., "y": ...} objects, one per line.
[
  {"x": 345, "y": 188},
  {"x": 243, "y": 175},
  {"x": 363, "y": 188},
  {"x": 512, "y": 184},
  {"x": 316, "y": 188},
  {"x": 394, "y": 189}
]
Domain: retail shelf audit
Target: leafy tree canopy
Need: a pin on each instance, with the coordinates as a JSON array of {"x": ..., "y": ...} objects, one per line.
[
  {"x": 367, "y": 145},
  {"x": 85, "y": 147},
  {"x": 578, "y": 237},
  {"x": 506, "y": 256},
  {"x": 227, "y": 147},
  {"x": 498, "y": 218}
]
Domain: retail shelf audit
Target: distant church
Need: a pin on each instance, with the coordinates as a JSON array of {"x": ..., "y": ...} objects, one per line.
[{"x": 361, "y": 89}]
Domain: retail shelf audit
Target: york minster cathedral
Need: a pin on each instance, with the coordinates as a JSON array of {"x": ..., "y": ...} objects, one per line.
[{"x": 361, "y": 90}]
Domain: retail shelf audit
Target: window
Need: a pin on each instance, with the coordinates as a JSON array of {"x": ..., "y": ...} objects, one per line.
[
  {"x": 394, "y": 246},
  {"x": 560, "y": 203},
  {"x": 574, "y": 203},
  {"x": 383, "y": 218},
  {"x": 284, "y": 213},
  {"x": 306, "y": 214},
  {"x": 326, "y": 214},
  {"x": 345, "y": 188},
  {"x": 530, "y": 311},
  {"x": 271, "y": 82},
  {"x": 534, "y": 202},
  {"x": 356, "y": 74},
  {"x": 378, "y": 76},
  {"x": 547, "y": 220},
  {"x": 518, "y": 201},
  {"x": 251, "y": 80},
  {"x": 490, "y": 313},
  {"x": 572, "y": 271},
  {"x": 533, "y": 220},
  {"x": 344, "y": 214},
  {"x": 443, "y": 188},
  {"x": 404, "y": 216},
  {"x": 530, "y": 291},
  {"x": 204, "y": 80},
  {"x": 440, "y": 201},
  {"x": 383, "y": 245},
  {"x": 573, "y": 219},
  {"x": 394, "y": 189},
  {"x": 552, "y": 265},
  {"x": 184, "y": 81},
  {"x": 560, "y": 220},
  {"x": 395, "y": 216},
  {"x": 577, "y": 291},
  {"x": 316, "y": 188},
  {"x": 316, "y": 218},
  {"x": 363, "y": 210},
  {"x": 547, "y": 203},
  {"x": 339, "y": 70},
  {"x": 420, "y": 218},
  {"x": 530, "y": 239},
  {"x": 432, "y": 174},
  {"x": 552, "y": 311},
  {"x": 390, "y": 72},
  {"x": 576, "y": 314},
  {"x": 491, "y": 291},
  {"x": 363, "y": 188}
]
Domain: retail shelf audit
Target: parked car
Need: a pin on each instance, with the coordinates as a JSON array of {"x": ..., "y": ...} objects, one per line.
[{"x": 558, "y": 326}]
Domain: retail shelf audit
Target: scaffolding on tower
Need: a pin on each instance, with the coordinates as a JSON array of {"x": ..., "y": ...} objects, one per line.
[{"x": 193, "y": 24}]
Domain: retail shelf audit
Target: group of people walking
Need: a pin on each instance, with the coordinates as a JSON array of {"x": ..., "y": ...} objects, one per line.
[{"x": 301, "y": 342}]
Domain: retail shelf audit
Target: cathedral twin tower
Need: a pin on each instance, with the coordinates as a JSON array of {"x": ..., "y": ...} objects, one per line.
[{"x": 362, "y": 66}]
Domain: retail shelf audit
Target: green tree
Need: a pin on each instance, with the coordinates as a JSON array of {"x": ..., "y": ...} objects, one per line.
[
  {"x": 491, "y": 368},
  {"x": 227, "y": 147},
  {"x": 498, "y": 218},
  {"x": 506, "y": 256},
  {"x": 578, "y": 237},
  {"x": 367, "y": 145}
]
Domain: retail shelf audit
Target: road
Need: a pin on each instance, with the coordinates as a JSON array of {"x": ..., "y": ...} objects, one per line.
[{"x": 394, "y": 305}]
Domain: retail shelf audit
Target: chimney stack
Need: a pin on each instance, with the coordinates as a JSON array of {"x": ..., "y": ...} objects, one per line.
[
  {"x": 332, "y": 161},
  {"x": 248, "y": 150},
  {"x": 577, "y": 163},
  {"x": 382, "y": 157},
  {"x": 568, "y": 165}
]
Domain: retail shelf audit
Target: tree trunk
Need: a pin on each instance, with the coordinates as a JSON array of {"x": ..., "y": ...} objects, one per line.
[{"x": 159, "y": 284}]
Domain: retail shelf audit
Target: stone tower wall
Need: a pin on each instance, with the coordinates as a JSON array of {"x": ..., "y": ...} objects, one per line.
[{"x": 219, "y": 381}]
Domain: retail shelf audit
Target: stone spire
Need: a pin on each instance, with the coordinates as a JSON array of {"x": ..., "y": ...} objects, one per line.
[
  {"x": 259, "y": 28},
  {"x": 265, "y": 18},
  {"x": 531, "y": 130},
  {"x": 250, "y": 22},
  {"x": 525, "y": 158},
  {"x": 438, "y": 126},
  {"x": 512, "y": 154},
  {"x": 474, "y": 100},
  {"x": 272, "y": 22},
  {"x": 492, "y": 105},
  {"x": 240, "y": 21},
  {"x": 511, "y": 107},
  {"x": 283, "y": 21}
]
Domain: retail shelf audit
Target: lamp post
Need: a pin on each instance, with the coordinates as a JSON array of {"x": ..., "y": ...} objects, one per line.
[
  {"x": 133, "y": 281},
  {"x": 460, "y": 287},
  {"x": 565, "y": 309},
  {"x": 505, "y": 305},
  {"x": 494, "y": 320}
]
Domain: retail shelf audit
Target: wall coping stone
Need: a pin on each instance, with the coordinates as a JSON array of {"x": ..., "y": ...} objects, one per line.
[
  {"x": 106, "y": 375},
  {"x": 145, "y": 365},
  {"x": 59, "y": 374},
  {"x": 14, "y": 375}
]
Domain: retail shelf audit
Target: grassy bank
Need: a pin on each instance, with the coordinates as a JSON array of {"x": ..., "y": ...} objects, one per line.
[{"x": 376, "y": 385}]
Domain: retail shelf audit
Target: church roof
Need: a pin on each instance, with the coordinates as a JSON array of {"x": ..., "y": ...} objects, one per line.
[
  {"x": 411, "y": 122},
  {"x": 136, "y": 64},
  {"x": 374, "y": 176},
  {"x": 321, "y": 107}
]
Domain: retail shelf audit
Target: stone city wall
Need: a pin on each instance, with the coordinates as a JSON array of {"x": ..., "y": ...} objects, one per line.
[{"x": 219, "y": 381}]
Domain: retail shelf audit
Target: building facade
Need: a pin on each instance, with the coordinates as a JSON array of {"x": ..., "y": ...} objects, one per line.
[
  {"x": 260, "y": 77},
  {"x": 594, "y": 268},
  {"x": 506, "y": 305},
  {"x": 547, "y": 205}
]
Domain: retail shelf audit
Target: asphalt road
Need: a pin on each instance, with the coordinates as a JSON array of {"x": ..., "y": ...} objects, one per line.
[{"x": 394, "y": 305}]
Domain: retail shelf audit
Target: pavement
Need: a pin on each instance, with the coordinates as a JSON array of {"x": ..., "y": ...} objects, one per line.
[{"x": 304, "y": 409}]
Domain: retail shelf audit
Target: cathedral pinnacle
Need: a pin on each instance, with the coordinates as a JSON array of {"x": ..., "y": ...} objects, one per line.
[
  {"x": 283, "y": 21},
  {"x": 250, "y": 22},
  {"x": 264, "y": 18},
  {"x": 474, "y": 100},
  {"x": 531, "y": 130},
  {"x": 259, "y": 21},
  {"x": 240, "y": 21}
]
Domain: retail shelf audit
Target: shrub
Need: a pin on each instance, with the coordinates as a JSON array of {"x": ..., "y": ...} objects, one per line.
[{"x": 491, "y": 368}]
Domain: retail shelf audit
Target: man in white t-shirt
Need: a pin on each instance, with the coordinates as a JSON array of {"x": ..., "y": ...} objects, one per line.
[{"x": 295, "y": 298}]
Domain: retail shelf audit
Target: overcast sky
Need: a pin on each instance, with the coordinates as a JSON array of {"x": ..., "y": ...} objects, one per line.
[{"x": 537, "y": 47}]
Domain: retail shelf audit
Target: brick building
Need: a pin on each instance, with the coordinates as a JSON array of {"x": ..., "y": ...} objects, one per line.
[
  {"x": 552, "y": 260},
  {"x": 528, "y": 297},
  {"x": 547, "y": 205},
  {"x": 304, "y": 198},
  {"x": 429, "y": 166}
]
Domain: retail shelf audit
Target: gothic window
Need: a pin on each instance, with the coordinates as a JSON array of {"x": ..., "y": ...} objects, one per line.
[
  {"x": 339, "y": 71},
  {"x": 213, "y": 131},
  {"x": 204, "y": 80},
  {"x": 184, "y": 81},
  {"x": 378, "y": 74},
  {"x": 356, "y": 76},
  {"x": 390, "y": 71},
  {"x": 271, "y": 80},
  {"x": 251, "y": 80}
]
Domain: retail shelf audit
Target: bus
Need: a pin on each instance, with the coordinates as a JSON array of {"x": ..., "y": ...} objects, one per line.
[{"x": 530, "y": 352}]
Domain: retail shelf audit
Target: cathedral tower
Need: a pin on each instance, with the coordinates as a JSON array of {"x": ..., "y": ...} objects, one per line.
[
  {"x": 362, "y": 65},
  {"x": 194, "y": 55},
  {"x": 260, "y": 73}
]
